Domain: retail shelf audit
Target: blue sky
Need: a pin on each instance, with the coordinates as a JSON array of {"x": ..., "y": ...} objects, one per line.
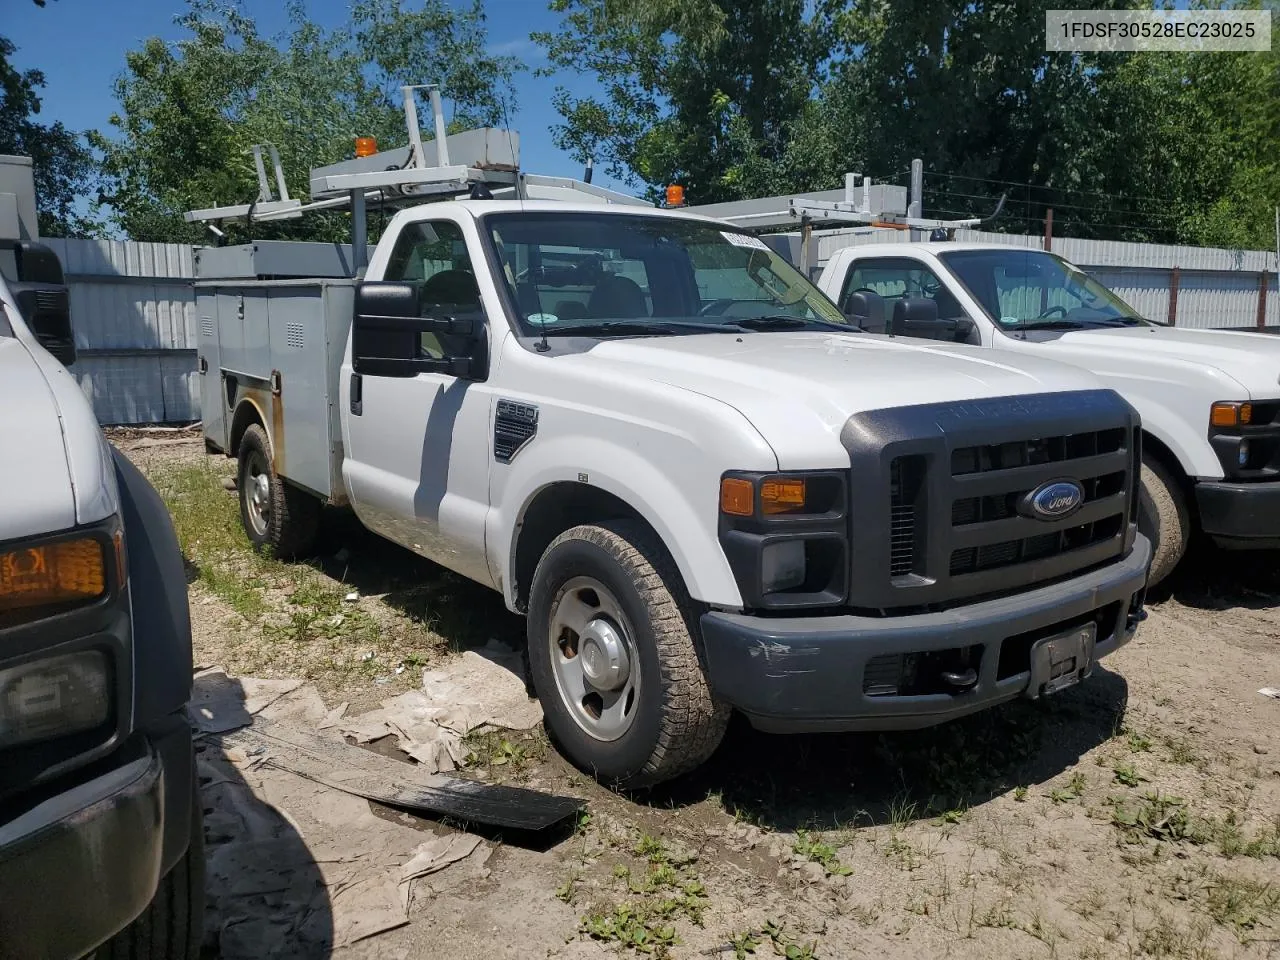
[{"x": 80, "y": 45}]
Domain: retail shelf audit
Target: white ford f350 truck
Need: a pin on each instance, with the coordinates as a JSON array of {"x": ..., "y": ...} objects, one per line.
[
  {"x": 100, "y": 822},
  {"x": 662, "y": 445},
  {"x": 1209, "y": 399}
]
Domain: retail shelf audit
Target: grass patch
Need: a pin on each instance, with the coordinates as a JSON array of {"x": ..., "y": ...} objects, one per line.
[
  {"x": 496, "y": 751},
  {"x": 296, "y": 619},
  {"x": 665, "y": 892},
  {"x": 1242, "y": 903},
  {"x": 813, "y": 848}
]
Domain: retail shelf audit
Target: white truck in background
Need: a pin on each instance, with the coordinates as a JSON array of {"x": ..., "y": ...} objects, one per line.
[
  {"x": 660, "y": 443},
  {"x": 1209, "y": 399}
]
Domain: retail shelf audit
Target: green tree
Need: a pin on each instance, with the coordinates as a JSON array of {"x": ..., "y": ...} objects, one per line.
[
  {"x": 190, "y": 112},
  {"x": 62, "y": 165},
  {"x": 711, "y": 94}
]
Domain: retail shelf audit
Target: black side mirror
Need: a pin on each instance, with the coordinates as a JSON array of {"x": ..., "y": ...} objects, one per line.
[
  {"x": 866, "y": 309},
  {"x": 918, "y": 317},
  {"x": 43, "y": 298},
  {"x": 387, "y": 329}
]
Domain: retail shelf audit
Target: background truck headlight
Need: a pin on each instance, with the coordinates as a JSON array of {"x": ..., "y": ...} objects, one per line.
[{"x": 54, "y": 697}]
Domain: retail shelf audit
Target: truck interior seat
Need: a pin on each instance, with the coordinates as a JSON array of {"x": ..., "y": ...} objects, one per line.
[
  {"x": 616, "y": 297},
  {"x": 452, "y": 287}
]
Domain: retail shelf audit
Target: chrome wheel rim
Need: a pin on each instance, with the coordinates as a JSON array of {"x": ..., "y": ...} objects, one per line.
[
  {"x": 594, "y": 659},
  {"x": 257, "y": 495}
]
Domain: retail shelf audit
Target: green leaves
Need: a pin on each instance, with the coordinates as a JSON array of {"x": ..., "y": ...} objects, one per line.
[{"x": 190, "y": 111}]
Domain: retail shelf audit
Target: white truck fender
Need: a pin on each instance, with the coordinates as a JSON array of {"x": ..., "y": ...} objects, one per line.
[
  {"x": 687, "y": 529},
  {"x": 1191, "y": 449}
]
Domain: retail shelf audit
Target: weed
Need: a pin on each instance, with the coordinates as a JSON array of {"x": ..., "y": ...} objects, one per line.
[
  {"x": 952, "y": 816},
  {"x": 811, "y": 847},
  {"x": 631, "y": 927},
  {"x": 1157, "y": 817},
  {"x": 1241, "y": 903},
  {"x": 1181, "y": 750},
  {"x": 667, "y": 893},
  {"x": 744, "y": 944},
  {"x": 1072, "y": 791},
  {"x": 650, "y": 848},
  {"x": 567, "y": 890},
  {"x": 788, "y": 947},
  {"x": 1138, "y": 742},
  {"x": 1020, "y": 794},
  {"x": 491, "y": 748},
  {"x": 1127, "y": 774}
]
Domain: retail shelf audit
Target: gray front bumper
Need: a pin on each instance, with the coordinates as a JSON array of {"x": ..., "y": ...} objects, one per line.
[{"x": 806, "y": 673}]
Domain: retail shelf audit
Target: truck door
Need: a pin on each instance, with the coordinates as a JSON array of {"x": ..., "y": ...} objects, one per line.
[{"x": 416, "y": 462}]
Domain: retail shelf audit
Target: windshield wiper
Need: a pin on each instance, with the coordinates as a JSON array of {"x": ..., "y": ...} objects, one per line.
[
  {"x": 633, "y": 328},
  {"x": 782, "y": 321},
  {"x": 1053, "y": 325}
]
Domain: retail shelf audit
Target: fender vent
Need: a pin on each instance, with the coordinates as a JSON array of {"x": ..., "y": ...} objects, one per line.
[
  {"x": 514, "y": 425},
  {"x": 206, "y": 326}
]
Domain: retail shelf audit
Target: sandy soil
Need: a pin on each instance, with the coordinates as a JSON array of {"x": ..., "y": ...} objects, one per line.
[{"x": 1137, "y": 815}]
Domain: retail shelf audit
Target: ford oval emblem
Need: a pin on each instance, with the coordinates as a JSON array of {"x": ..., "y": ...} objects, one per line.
[{"x": 1053, "y": 500}]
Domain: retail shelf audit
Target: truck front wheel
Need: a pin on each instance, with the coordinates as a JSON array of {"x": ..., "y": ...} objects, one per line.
[
  {"x": 274, "y": 513},
  {"x": 1162, "y": 518},
  {"x": 613, "y": 659}
]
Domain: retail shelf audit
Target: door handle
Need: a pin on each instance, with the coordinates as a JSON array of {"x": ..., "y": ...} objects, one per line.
[{"x": 357, "y": 395}]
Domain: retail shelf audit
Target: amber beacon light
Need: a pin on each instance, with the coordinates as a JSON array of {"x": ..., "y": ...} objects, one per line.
[
  {"x": 366, "y": 146},
  {"x": 675, "y": 195}
]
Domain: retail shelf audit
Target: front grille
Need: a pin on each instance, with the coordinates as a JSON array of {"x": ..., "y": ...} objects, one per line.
[
  {"x": 1023, "y": 453},
  {"x": 960, "y": 521},
  {"x": 995, "y": 555}
]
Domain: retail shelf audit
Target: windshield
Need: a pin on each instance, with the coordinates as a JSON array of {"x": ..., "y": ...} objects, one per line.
[
  {"x": 1029, "y": 290},
  {"x": 611, "y": 274}
]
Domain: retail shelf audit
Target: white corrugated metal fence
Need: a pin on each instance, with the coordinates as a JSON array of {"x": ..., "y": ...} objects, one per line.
[{"x": 133, "y": 312}]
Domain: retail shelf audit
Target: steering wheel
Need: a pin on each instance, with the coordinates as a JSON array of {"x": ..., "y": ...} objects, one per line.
[{"x": 1058, "y": 308}]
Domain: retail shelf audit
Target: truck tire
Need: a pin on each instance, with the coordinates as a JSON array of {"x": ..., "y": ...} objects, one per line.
[
  {"x": 1162, "y": 518},
  {"x": 275, "y": 514},
  {"x": 172, "y": 925},
  {"x": 613, "y": 657}
]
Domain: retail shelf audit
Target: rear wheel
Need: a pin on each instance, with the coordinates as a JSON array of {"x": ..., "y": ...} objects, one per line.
[
  {"x": 172, "y": 926},
  {"x": 275, "y": 514},
  {"x": 1163, "y": 518},
  {"x": 612, "y": 654}
]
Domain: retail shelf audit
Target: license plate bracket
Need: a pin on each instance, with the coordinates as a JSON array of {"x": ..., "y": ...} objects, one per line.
[{"x": 1062, "y": 660}]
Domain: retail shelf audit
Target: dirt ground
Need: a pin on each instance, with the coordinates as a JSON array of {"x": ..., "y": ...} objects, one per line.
[{"x": 1137, "y": 815}]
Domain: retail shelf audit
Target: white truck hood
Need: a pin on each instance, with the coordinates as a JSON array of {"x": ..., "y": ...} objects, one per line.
[
  {"x": 36, "y": 494},
  {"x": 1250, "y": 359},
  {"x": 793, "y": 385}
]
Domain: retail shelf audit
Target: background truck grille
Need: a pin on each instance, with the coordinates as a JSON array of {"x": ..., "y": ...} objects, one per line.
[{"x": 959, "y": 476}]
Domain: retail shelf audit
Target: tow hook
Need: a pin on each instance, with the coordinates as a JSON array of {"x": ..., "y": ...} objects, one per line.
[{"x": 960, "y": 680}]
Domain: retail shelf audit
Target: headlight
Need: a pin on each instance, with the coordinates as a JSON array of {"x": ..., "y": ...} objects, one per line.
[
  {"x": 52, "y": 573},
  {"x": 54, "y": 697}
]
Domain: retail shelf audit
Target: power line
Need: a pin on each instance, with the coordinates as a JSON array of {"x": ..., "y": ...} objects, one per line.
[
  {"x": 1035, "y": 186},
  {"x": 1053, "y": 204}
]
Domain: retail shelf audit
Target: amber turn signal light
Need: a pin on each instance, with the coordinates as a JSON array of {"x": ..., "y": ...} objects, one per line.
[
  {"x": 737, "y": 497},
  {"x": 782, "y": 496},
  {"x": 52, "y": 573},
  {"x": 1223, "y": 414}
]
